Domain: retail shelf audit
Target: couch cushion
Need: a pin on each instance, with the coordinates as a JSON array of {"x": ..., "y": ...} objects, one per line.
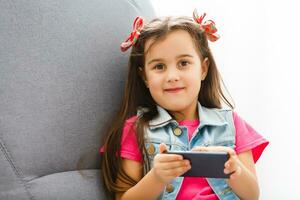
[
  {"x": 12, "y": 186},
  {"x": 59, "y": 186},
  {"x": 61, "y": 78}
]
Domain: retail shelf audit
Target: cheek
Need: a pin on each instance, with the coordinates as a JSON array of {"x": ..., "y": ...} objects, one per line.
[
  {"x": 193, "y": 84},
  {"x": 154, "y": 86},
  {"x": 194, "y": 81},
  {"x": 154, "y": 81},
  {"x": 196, "y": 87}
]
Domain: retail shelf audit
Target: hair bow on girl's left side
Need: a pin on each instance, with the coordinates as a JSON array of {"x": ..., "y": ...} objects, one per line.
[
  {"x": 138, "y": 25},
  {"x": 209, "y": 26}
]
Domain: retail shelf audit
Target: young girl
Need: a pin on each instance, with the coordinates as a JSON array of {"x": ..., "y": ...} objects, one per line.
[{"x": 173, "y": 101}]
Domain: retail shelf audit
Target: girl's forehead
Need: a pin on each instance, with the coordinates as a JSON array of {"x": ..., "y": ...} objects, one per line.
[{"x": 177, "y": 41}]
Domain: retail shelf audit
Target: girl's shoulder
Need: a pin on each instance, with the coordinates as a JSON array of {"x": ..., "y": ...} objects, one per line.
[{"x": 131, "y": 120}]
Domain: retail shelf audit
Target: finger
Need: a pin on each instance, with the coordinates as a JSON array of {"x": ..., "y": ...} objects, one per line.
[
  {"x": 230, "y": 170},
  {"x": 162, "y": 148},
  {"x": 231, "y": 152},
  {"x": 173, "y": 164},
  {"x": 236, "y": 173},
  {"x": 200, "y": 148},
  {"x": 176, "y": 171},
  {"x": 230, "y": 162},
  {"x": 233, "y": 159},
  {"x": 231, "y": 166},
  {"x": 167, "y": 157}
]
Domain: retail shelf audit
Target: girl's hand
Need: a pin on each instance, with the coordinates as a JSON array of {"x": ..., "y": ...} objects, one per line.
[
  {"x": 166, "y": 167},
  {"x": 233, "y": 164}
]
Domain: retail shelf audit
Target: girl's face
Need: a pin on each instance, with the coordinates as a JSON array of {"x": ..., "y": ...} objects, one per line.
[{"x": 173, "y": 73}]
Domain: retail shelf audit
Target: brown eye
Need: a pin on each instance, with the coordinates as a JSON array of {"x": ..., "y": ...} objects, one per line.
[
  {"x": 159, "y": 67},
  {"x": 184, "y": 63}
]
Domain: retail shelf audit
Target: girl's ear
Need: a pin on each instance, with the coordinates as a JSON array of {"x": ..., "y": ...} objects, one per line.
[
  {"x": 142, "y": 74},
  {"x": 204, "y": 68}
]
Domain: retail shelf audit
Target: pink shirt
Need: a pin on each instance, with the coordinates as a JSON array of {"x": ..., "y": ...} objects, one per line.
[{"x": 194, "y": 187}]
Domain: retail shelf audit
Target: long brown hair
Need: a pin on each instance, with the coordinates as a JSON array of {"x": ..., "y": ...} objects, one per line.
[{"x": 137, "y": 95}]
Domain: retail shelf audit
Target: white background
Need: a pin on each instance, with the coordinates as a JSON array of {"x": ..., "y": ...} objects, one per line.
[{"x": 258, "y": 58}]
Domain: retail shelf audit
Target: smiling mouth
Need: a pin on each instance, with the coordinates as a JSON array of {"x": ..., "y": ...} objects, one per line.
[{"x": 174, "y": 90}]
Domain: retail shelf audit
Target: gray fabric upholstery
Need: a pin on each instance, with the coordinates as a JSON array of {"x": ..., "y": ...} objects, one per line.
[{"x": 61, "y": 78}]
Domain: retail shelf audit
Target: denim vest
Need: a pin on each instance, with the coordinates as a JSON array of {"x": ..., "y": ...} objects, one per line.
[{"x": 216, "y": 129}]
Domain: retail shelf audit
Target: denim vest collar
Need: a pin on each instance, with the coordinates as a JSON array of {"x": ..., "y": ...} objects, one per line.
[{"x": 207, "y": 118}]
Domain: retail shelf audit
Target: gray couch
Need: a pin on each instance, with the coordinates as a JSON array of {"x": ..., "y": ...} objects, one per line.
[{"x": 61, "y": 79}]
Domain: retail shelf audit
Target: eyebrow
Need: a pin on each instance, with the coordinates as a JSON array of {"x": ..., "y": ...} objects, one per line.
[{"x": 160, "y": 59}]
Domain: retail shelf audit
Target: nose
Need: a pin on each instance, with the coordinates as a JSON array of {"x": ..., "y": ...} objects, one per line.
[{"x": 172, "y": 74}]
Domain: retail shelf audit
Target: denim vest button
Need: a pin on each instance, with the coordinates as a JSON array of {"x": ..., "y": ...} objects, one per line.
[
  {"x": 170, "y": 188},
  {"x": 151, "y": 149},
  {"x": 177, "y": 131}
]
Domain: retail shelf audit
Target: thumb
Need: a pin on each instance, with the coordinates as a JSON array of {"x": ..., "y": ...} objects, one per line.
[{"x": 162, "y": 148}]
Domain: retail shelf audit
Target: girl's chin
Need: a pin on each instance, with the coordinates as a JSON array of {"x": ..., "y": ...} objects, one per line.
[{"x": 174, "y": 107}]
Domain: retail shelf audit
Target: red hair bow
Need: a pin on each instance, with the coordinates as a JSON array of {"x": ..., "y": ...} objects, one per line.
[
  {"x": 208, "y": 26},
  {"x": 138, "y": 24}
]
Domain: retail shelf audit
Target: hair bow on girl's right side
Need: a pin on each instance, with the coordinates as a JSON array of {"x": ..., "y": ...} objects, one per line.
[
  {"x": 209, "y": 26},
  {"x": 138, "y": 24}
]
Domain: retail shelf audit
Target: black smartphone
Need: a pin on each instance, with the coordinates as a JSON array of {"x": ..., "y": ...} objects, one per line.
[{"x": 205, "y": 164}]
